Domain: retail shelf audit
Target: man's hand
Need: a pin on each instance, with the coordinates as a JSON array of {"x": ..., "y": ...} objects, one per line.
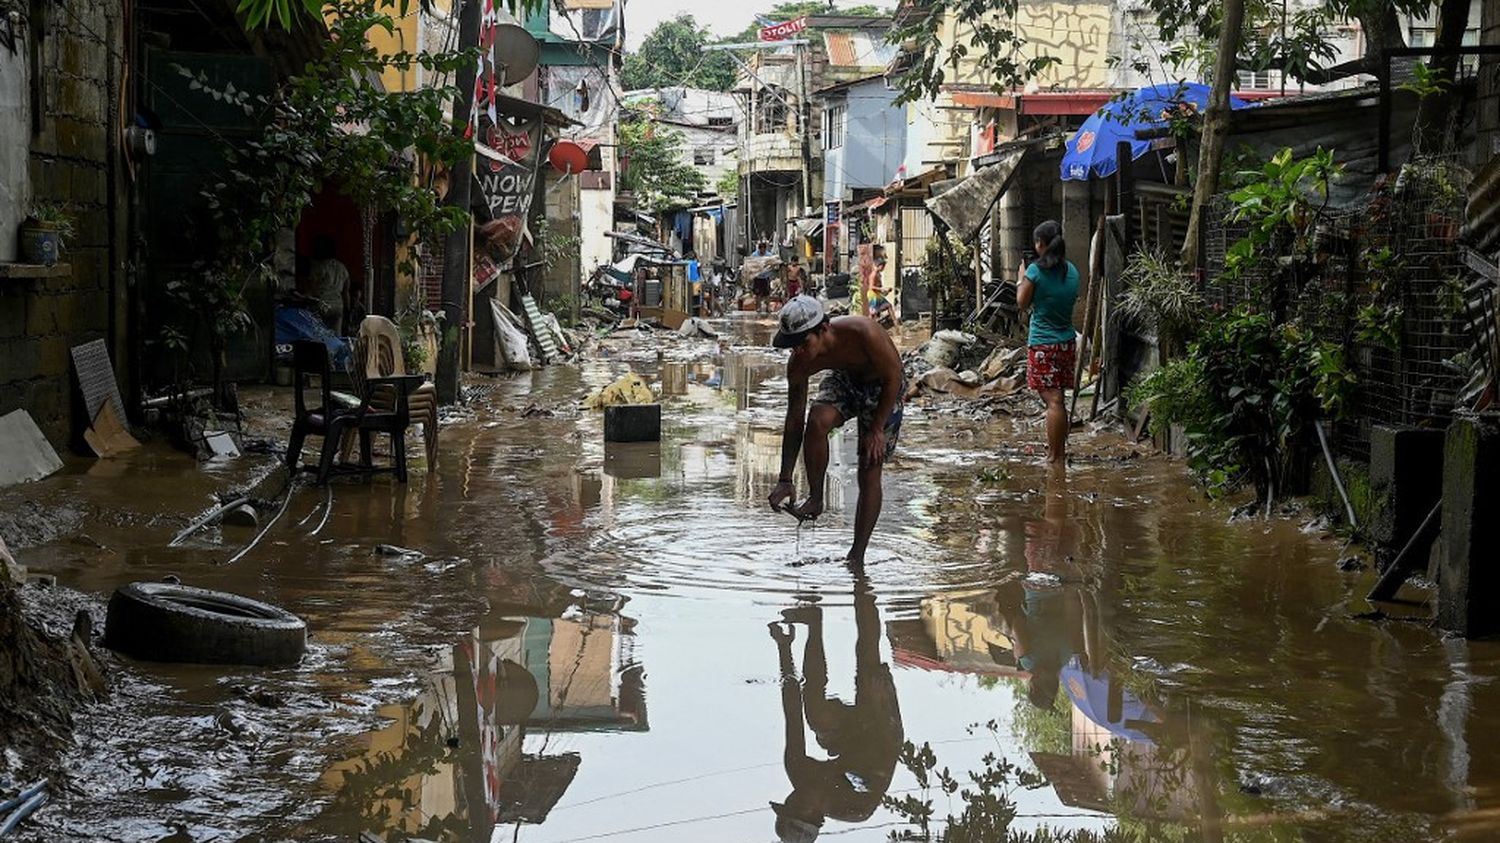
[
  {"x": 781, "y": 494},
  {"x": 874, "y": 446},
  {"x": 783, "y": 636}
]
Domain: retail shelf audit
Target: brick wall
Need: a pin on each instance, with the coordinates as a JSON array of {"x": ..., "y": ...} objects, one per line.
[{"x": 41, "y": 319}]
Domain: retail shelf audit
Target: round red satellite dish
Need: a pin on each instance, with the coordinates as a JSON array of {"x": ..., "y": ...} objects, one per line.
[{"x": 568, "y": 157}]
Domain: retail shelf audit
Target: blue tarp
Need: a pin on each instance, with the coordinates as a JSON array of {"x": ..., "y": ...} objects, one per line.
[{"x": 294, "y": 324}]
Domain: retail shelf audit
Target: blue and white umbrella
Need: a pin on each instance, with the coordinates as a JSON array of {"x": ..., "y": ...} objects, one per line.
[{"x": 1093, "y": 149}]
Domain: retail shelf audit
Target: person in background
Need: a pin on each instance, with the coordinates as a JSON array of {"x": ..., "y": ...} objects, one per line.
[
  {"x": 695, "y": 280},
  {"x": 761, "y": 285},
  {"x": 330, "y": 283},
  {"x": 357, "y": 310},
  {"x": 796, "y": 277},
  {"x": 1049, "y": 288}
]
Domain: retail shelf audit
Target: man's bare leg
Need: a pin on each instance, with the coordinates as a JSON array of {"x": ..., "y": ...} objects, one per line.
[
  {"x": 871, "y": 496},
  {"x": 822, "y": 419}
]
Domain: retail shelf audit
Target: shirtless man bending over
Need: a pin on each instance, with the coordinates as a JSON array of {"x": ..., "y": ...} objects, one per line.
[{"x": 865, "y": 383}]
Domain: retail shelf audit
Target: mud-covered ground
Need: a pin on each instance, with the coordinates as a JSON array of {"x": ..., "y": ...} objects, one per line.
[{"x": 590, "y": 643}]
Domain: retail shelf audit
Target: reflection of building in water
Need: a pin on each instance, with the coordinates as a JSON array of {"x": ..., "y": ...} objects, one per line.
[
  {"x": 961, "y": 632},
  {"x": 586, "y": 665},
  {"x": 746, "y": 373},
  {"x": 1113, "y": 762},
  {"x": 452, "y": 763},
  {"x": 757, "y": 452}
]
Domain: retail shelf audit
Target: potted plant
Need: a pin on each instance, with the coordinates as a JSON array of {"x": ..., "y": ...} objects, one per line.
[{"x": 43, "y": 233}]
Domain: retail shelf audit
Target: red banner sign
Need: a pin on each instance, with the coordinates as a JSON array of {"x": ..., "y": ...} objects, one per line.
[{"x": 779, "y": 31}]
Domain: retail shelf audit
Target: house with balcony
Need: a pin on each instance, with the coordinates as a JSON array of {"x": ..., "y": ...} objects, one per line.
[{"x": 781, "y": 127}]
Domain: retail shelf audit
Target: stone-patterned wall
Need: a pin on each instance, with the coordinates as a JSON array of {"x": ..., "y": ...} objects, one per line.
[{"x": 42, "y": 318}]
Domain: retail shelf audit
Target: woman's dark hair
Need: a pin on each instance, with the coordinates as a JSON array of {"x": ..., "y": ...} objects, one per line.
[{"x": 1054, "y": 251}]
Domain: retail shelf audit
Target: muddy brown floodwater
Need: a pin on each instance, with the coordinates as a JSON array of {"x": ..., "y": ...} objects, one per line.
[{"x": 591, "y": 645}]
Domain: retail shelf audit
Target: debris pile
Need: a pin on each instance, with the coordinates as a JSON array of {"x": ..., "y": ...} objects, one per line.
[{"x": 958, "y": 368}]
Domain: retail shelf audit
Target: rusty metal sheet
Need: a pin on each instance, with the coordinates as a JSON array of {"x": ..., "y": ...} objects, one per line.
[
  {"x": 965, "y": 206},
  {"x": 840, "y": 46}
]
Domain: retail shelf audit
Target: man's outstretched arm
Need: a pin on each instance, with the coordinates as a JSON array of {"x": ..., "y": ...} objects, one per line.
[{"x": 791, "y": 434}]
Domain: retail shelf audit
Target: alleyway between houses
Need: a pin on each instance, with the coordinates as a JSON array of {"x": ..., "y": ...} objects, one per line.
[{"x": 622, "y": 597}]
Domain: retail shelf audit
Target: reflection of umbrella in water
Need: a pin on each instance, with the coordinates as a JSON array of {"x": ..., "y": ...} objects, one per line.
[
  {"x": 1091, "y": 696},
  {"x": 1093, "y": 149},
  {"x": 517, "y": 694}
]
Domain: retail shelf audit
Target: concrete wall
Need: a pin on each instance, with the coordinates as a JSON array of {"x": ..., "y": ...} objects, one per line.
[
  {"x": 1077, "y": 34},
  {"x": 937, "y": 132},
  {"x": 69, "y": 163},
  {"x": 15, "y": 136},
  {"x": 596, "y": 215},
  {"x": 725, "y": 152},
  {"x": 874, "y": 141}
]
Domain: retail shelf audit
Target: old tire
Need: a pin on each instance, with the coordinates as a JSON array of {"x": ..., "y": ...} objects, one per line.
[{"x": 165, "y": 622}]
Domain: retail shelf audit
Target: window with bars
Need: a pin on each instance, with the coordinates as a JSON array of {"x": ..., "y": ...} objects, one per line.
[
  {"x": 834, "y": 119},
  {"x": 705, "y": 156},
  {"x": 770, "y": 115},
  {"x": 916, "y": 231}
]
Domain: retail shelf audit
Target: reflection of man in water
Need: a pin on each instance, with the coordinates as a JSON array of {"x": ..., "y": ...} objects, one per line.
[{"x": 862, "y": 739}]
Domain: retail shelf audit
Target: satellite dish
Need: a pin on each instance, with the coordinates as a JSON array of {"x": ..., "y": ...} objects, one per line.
[
  {"x": 516, "y": 53},
  {"x": 568, "y": 157}
]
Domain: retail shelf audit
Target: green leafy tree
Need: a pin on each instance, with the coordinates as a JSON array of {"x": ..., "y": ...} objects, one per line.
[
  {"x": 654, "y": 169},
  {"x": 729, "y": 184},
  {"x": 289, "y": 13},
  {"x": 672, "y": 55}
]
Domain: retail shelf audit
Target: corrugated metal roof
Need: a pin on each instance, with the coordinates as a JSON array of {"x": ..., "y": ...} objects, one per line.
[
  {"x": 857, "y": 48},
  {"x": 1482, "y": 228},
  {"x": 840, "y": 48}
]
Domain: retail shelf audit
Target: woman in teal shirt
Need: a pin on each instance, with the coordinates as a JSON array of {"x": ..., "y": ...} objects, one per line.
[{"x": 1049, "y": 287}]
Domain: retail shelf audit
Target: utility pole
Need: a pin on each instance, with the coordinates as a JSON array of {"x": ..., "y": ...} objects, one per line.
[
  {"x": 804, "y": 127},
  {"x": 456, "y": 259}
]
